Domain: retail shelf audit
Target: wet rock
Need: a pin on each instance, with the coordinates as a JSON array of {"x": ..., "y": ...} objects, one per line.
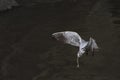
[{"x": 7, "y": 4}]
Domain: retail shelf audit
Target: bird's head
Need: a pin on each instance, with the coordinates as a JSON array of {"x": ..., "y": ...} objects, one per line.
[{"x": 80, "y": 52}]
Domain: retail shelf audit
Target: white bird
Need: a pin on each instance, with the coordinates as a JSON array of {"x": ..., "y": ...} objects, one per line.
[{"x": 74, "y": 39}]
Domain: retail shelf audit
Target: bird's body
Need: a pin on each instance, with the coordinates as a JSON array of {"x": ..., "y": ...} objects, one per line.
[{"x": 74, "y": 39}]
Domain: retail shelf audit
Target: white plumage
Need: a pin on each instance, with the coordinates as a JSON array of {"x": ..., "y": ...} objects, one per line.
[{"x": 74, "y": 39}]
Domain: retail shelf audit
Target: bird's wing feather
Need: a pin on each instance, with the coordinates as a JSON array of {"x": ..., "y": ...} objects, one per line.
[
  {"x": 94, "y": 44},
  {"x": 72, "y": 38},
  {"x": 83, "y": 43}
]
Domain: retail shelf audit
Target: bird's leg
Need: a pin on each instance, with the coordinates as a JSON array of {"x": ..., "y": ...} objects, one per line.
[{"x": 78, "y": 60}]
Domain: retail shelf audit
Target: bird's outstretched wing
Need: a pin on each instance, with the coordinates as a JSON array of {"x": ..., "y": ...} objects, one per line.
[{"x": 68, "y": 37}]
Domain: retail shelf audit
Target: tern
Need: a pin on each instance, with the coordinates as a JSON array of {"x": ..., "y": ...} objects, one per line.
[{"x": 74, "y": 39}]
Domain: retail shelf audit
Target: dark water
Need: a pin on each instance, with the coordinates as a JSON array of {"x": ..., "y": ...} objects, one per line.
[{"x": 29, "y": 53}]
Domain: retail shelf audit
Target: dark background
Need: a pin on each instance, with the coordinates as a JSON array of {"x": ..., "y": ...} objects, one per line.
[{"x": 27, "y": 51}]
